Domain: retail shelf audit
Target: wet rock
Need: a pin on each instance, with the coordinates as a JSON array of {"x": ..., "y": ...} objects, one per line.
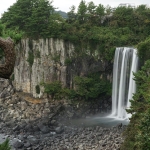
[
  {"x": 53, "y": 123},
  {"x": 27, "y": 145},
  {"x": 36, "y": 128},
  {"x": 16, "y": 128},
  {"x": 21, "y": 137},
  {"x": 59, "y": 130},
  {"x": 29, "y": 128},
  {"x": 18, "y": 144},
  {"x": 44, "y": 129}
]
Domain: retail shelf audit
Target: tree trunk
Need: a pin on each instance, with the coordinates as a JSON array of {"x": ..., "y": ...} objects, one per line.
[{"x": 7, "y": 68}]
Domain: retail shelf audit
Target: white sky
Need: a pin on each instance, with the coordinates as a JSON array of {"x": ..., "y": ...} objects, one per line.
[{"x": 64, "y": 5}]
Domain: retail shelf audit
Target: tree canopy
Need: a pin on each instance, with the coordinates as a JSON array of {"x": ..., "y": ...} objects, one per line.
[{"x": 91, "y": 27}]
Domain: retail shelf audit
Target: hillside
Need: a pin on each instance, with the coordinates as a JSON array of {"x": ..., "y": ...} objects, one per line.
[{"x": 62, "y": 13}]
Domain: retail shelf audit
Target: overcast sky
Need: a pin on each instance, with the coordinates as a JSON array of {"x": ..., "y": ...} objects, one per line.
[{"x": 64, "y": 5}]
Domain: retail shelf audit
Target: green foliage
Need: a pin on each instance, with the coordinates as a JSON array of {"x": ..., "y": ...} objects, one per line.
[
  {"x": 14, "y": 34},
  {"x": 91, "y": 87},
  {"x": 143, "y": 137},
  {"x": 30, "y": 42},
  {"x": 68, "y": 61},
  {"x": 30, "y": 16},
  {"x": 38, "y": 23},
  {"x": 5, "y": 145},
  {"x": 56, "y": 58},
  {"x": 123, "y": 16},
  {"x": 54, "y": 89},
  {"x": 2, "y": 27},
  {"x": 86, "y": 88},
  {"x": 138, "y": 132},
  {"x": 82, "y": 11},
  {"x": 69, "y": 94},
  {"x": 37, "y": 88},
  {"x": 144, "y": 50},
  {"x": 30, "y": 58},
  {"x": 71, "y": 14}
]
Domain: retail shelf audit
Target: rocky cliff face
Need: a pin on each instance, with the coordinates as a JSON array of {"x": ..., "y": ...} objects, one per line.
[
  {"x": 46, "y": 60},
  {"x": 6, "y": 88}
]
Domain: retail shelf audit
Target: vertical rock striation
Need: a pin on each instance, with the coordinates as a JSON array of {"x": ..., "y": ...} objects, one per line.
[{"x": 47, "y": 60}]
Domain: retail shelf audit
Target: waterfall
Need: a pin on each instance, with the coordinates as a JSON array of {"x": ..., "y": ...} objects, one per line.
[{"x": 125, "y": 63}]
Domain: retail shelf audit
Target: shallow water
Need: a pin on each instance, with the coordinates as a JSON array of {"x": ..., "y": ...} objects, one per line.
[{"x": 98, "y": 120}]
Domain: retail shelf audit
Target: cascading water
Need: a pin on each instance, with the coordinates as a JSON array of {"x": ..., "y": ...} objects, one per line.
[{"x": 125, "y": 63}]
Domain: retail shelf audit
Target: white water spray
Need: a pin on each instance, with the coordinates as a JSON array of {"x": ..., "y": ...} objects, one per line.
[{"x": 125, "y": 63}]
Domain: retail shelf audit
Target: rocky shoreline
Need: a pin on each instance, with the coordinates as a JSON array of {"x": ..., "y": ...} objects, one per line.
[
  {"x": 38, "y": 124},
  {"x": 42, "y": 134}
]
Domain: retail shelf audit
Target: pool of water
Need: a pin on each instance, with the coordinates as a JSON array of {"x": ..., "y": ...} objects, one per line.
[{"x": 98, "y": 120}]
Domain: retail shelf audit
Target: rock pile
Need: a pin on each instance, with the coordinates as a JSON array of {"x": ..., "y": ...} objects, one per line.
[
  {"x": 38, "y": 125},
  {"x": 6, "y": 89},
  {"x": 43, "y": 134}
]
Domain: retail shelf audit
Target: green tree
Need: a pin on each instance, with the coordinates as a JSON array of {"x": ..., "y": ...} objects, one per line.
[
  {"x": 91, "y": 12},
  {"x": 144, "y": 50},
  {"x": 18, "y": 14},
  {"x": 123, "y": 16},
  {"x": 91, "y": 87},
  {"x": 71, "y": 14},
  {"x": 82, "y": 12},
  {"x": 30, "y": 16},
  {"x": 54, "y": 89},
  {"x": 15, "y": 34},
  {"x": 100, "y": 11},
  {"x": 91, "y": 8},
  {"x": 138, "y": 131},
  {"x": 39, "y": 21}
]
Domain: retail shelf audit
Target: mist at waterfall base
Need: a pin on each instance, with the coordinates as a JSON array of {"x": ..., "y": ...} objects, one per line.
[{"x": 125, "y": 63}]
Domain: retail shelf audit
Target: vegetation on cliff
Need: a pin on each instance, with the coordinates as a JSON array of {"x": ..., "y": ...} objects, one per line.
[
  {"x": 138, "y": 131},
  {"x": 14, "y": 34},
  {"x": 86, "y": 88}
]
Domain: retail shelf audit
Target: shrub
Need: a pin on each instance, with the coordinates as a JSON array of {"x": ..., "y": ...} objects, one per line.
[
  {"x": 30, "y": 44},
  {"x": 5, "y": 145},
  {"x": 68, "y": 61},
  {"x": 30, "y": 58},
  {"x": 144, "y": 50},
  {"x": 92, "y": 87},
  {"x": 37, "y": 88},
  {"x": 137, "y": 135},
  {"x": 86, "y": 88},
  {"x": 54, "y": 89}
]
